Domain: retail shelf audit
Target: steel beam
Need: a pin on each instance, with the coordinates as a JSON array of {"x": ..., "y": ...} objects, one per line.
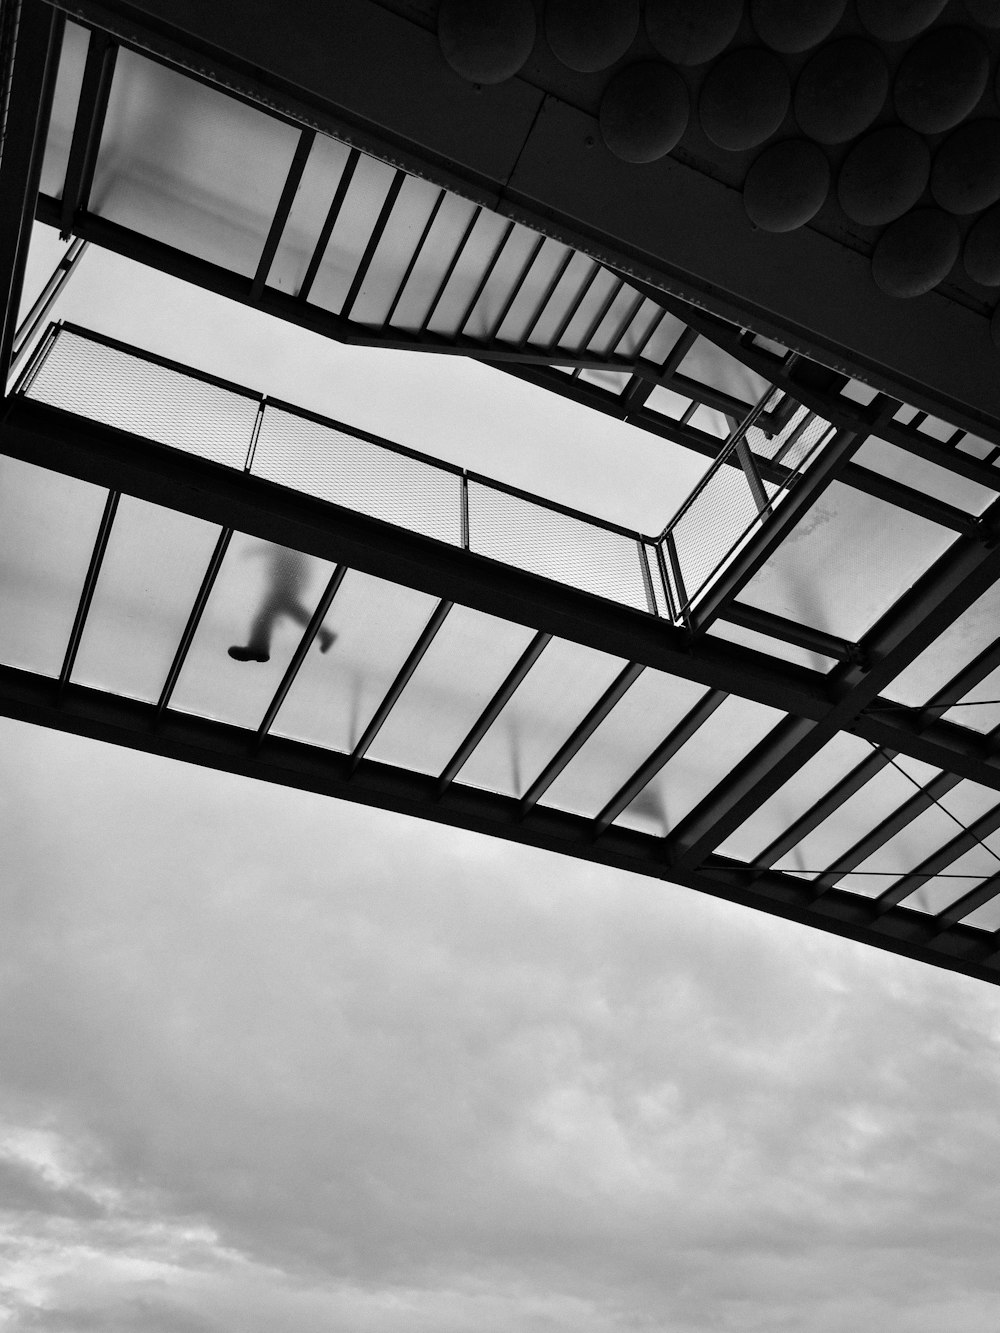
[{"x": 112, "y": 718}]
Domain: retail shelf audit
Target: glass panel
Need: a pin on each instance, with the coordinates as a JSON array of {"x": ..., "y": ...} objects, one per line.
[
  {"x": 708, "y": 364},
  {"x": 728, "y": 736},
  {"x": 262, "y": 601},
  {"x": 611, "y": 381},
  {"x": 467, "y": 662},
  {"x": 150, "y": 576},
  {"x": 811, "y": 783},
  {"x": 479, "y": 249},
  {"x": 133, "y": 394},
  {"x": 936, "y": 429},
  {"x": 577, "y": 275},
  {"x": 522, "y": 312},
  {"x": 667, "y": 403},
  {"x": 589, "y": 308},
  {"x": 351, "y": 233},
  {"x": 605, "y": 337},
  {"x": 983, "y": 717},
  {"x": 310, "y": 207},
  {"x": 962, "y": 642},
  {"x": 905, "y": 414},
  {"x": 429, "y": 270},
  {"x": 635, "y": 337},
  {"x": 972, "y": 444},
  {"x": 986, "y": 917},
  {"x": 922, "y": 475},
  {"x": 347, "y": 470},
  {"x": 846, "y": 562},
  {"x": 561, "y": 688},
  {"x": 854, "y": 820},
  {"x": 72, "y": 59},
  {"x": 48, "y": 525},
  {"x": 647, "y": 714},
  {"x": 333, "y": 697},
  {"x": 504, "y": 278},
  {"x": 402, "y": 232},
  {"x": 664, "y": 339},
  {"x": 712, "y": 422},
  {"x": 188, "y": 165},
  {"x": 858, "y": 392},
  {"x": 764, "y": 643}
]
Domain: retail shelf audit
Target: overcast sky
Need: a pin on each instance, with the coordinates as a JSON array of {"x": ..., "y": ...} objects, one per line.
[{"x": 273, "y": 1062}]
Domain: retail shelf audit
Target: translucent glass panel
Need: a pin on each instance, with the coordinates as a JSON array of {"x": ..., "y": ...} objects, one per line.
[
  {"x": 153, "y": 567},
  {"x": 727, "y": 737},
  {"x": 348, "y": 470},
  {"x": 846, "y": 562},
  {"x": 67, "y": 94},
  {"x": 925, "y": 835},
  {"x": 300, "y": 235},
  {"x": 334, "y": 696},
  {"x": 134, "y": 394},
  {"x": 557, "y": 546},
  {"x": 189, "y": 165},
  {"x": 427, "y": 273},
  {"x": 650, "y": 710},
  {"x": 580, "y": 272},
  {"x": 972, "y": 632},
  {"x": 764, "y": 643},
  {"x": 263, "y": 598},
  {"x": 667, "y": 403},
  {"x": 511, "y": 267},
  {"x": 351, "y": 232},
  {"x": 467, "y": 662},
  {"x": 921, "y": 475},
  {"x": 710, "y": 365},
  {"x": 409, "y": 215},
  {"x": 48, "y": 525},
  {"x": 986, "y": 917},
  {"x": 982, "y": 717},
  {"x": 528, "y": 301},
  {"x": 456, "y": 297},
  {"x": 855, "y": 819},
  {"x": 818, "y": 776},
  {"x": 558, "y": 692}
]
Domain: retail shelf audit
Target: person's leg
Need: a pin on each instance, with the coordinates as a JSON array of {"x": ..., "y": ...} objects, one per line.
[{"x": 259, "y": 647}]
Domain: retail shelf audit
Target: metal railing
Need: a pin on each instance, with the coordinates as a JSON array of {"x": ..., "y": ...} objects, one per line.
[{"x": 135, "y": 391}]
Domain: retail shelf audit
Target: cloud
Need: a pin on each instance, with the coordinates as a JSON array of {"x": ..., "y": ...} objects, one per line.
[{"x": 320, "y": 1067}]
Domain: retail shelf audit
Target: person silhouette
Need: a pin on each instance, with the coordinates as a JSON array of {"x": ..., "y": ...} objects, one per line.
[{"x": 286, "y": 575}]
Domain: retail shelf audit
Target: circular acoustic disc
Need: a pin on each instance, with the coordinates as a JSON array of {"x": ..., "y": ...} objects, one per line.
[
  {"x": 689, "y": 32},
  {"x": 486, "y": 41},
  {"x": 883, "y": 175},
  {"x": 916, "y": 252},
  {"x": 898, "y": 20},
  {"x": 985, "y": 12},
  {"x": 588, "y": 35},
  {"x": 966, "y": 173},
  {"x": 787, "y": 185},
  {"x": 940, "y": 79},
  {"x": 744, "y": 98},
  {"x": 982, "y": 249},
  {"x": 644, "y": 111},
  {"x": 841, "y": 90},
  {"x": 791, "y": 26}
]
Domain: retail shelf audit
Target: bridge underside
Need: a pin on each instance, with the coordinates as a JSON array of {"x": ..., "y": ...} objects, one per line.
[{"x": 795, "y": 709}]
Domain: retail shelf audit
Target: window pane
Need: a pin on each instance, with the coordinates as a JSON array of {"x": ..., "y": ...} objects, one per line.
[
  {"x": 648, "y": 712},
  {"x": 189, "y": 165},
  {"x": 465, "y": 665},
  {"x": 728, "y": 735},
  {"x": 333, "y": 697},
  {"x": 150, "y": 576},
  {"x": 262, "y": 600},
  {"x": 561, "y": 688},
  {"x": 846, "y": 562},
  {"x": 48, "y": 525}
]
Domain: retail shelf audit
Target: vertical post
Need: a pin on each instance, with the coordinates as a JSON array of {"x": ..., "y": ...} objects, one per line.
[
  {"x": 50, "y": 293},
  {"x": 254, "y": 434},
  {"x": 684, "y": 605},
  {"x": 672, "y": 607},
  {"x": 465, "y": 510},
  {"x": 647, "y": 577}
]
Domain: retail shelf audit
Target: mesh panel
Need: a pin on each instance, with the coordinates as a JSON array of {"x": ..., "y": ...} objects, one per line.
[
  {"x": 133, "y": 394},
  {"x": 710, "y": 529},
  {"x": 334, "y": 465},
  {"x": 557, "y": 546}
]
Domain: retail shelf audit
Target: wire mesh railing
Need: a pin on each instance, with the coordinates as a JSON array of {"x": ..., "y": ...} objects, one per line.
[{"x": 135, "y": 391}]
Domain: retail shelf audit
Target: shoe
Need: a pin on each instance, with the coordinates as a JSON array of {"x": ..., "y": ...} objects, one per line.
[
  {"x": 326, "y": 640},
  {"x": 248, "y": 654}
]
